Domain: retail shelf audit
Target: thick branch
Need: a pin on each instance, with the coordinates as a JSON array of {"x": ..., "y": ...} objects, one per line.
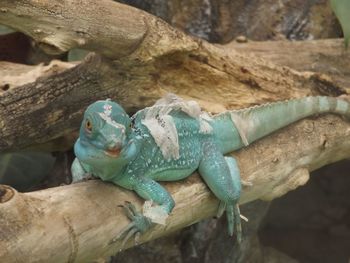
[
  {"x": 81, "y": 219},
  {"x": 14, "y": 75},
  {"x": 111, "y": 29},
  {"x": 58, "y": 26},
  {"x": 326, "y": 56}
]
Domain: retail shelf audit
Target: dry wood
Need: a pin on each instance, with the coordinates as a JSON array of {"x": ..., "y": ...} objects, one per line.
[
  {"x": 327, "y": 56},
  {"x": 14, "y": 75},
  {"x": 75, "y": 223},
  {"x": 143, "y": 59}
]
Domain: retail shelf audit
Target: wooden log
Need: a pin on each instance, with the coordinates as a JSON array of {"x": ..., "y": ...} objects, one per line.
[
  {"x": 75, "y": 223},
  {"x": 13, "y": 75},
  {"x": 323, "y": 56}
]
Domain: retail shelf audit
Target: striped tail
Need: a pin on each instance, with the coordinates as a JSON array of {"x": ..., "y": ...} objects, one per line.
[{"x": 253, "y": 123}]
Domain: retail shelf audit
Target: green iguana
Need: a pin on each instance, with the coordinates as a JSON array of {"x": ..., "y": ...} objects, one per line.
[{"x": 172, "y": 139}]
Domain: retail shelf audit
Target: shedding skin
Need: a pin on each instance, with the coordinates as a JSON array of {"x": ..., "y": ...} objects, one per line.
[{"x": 169, "y": 141}]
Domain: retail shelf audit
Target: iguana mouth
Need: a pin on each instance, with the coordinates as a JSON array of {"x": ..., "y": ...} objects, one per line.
[{"x": 113, "y": 152}]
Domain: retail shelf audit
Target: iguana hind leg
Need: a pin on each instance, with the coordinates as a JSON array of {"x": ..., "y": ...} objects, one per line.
[{"x": 221, "y": 174}]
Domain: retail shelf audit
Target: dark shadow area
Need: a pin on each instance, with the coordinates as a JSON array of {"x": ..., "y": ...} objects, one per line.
[{"x": 312, "y": 223}]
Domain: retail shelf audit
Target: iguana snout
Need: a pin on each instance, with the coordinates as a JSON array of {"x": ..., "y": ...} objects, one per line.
[{"x": 113, "y": 150}]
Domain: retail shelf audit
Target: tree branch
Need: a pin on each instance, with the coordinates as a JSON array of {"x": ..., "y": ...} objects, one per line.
[
  {"x": 58, "y": 26},
  {"x": 326, "y": 56},
  {"x": 14, "y": 75},
  {"x": 111, "y": 29},
  {"x": 82, "y": 218}
]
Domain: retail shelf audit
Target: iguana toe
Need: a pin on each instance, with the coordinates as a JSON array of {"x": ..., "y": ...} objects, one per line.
[
  {"x": 234, "y": 221},
  {"x": 139, "y": 224}
]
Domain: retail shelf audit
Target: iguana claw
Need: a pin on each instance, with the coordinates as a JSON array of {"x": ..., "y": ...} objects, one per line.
[{"x": 139, "y": 224}]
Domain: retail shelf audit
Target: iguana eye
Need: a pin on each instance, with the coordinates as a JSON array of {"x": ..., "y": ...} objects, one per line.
[{"x": 88, "y": 126}]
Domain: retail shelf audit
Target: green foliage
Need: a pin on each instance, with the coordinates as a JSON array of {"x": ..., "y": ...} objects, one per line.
[
  {"x": 23, "y": 170},
  {"x": 341, "y": 9}
]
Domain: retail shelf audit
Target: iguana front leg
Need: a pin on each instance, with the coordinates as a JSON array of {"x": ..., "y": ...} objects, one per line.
[
  {"x": 80, "y": 172},
  {"x": 221, "y": 174},
  {"x": 150, "y": 190}
]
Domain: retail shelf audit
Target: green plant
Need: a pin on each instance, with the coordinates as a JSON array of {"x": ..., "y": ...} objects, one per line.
[{"x": 341, "y": 9}]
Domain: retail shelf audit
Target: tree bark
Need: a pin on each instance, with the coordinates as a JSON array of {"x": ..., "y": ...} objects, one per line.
[
  {"x": 325, "y": 56},
  {"x": 13, "y": 75},
  {"x": 75, "y": 223}
]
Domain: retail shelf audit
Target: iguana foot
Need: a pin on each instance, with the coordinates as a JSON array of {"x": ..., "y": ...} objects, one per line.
[
  {"x": 139, "y": 224},
  {"x": 233, "y": 219}
]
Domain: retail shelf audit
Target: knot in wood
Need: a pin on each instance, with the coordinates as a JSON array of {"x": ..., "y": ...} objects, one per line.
[{"x": 6, "y": 193}]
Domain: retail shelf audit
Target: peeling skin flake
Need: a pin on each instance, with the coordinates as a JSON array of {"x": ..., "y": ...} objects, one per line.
[
  {"x": 165, "y": 135},
  {"x": 108, "y": 119},
  {"x": 107, "y": 109},
  {"x": 156, "y": 213},
  {"x": 242, "y": 127},
  {"x": 162, "y": 126}
]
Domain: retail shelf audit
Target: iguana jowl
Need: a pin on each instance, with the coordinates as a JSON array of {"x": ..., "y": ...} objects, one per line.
[{"x": 173, "y": 138}]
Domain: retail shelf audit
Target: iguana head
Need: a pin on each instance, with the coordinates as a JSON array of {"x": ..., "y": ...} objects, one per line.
[{"x": 103, "y": 133}]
